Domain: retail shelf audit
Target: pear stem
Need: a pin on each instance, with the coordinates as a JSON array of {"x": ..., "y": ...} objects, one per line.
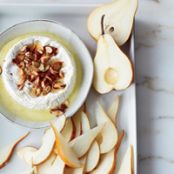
[{"x": 102, "y": 25}]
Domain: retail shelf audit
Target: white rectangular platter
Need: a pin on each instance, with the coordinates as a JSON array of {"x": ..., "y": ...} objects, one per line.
[{"x": 74, "y": 17}]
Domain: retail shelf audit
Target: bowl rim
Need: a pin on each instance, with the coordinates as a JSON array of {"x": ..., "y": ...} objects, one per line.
[{"x": 44, "y": 124}]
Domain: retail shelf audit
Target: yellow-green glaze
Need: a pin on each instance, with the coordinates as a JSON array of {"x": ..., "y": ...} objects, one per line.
[{"x": 17, "y": 110}]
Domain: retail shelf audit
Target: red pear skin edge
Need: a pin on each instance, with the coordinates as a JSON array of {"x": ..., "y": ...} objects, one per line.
[
  {"x": 12, "y": 150},
  {"x": 120, "y": 139},
  {"x": 74, "y": 130}
]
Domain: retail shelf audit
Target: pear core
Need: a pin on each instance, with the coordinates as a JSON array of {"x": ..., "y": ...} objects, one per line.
[{"x": 111, "y": 76}]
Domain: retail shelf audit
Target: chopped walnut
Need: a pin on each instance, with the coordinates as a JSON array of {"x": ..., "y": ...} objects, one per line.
[
  {"x": 59, "y": 110},
  {"x": 38, "y": 66}
]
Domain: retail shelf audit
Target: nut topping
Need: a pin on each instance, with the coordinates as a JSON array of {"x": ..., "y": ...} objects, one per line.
[
  {"x": 38, "y": 66},
  {"x": 59, "y": 110},
  {"x": 48, "y": 49}
]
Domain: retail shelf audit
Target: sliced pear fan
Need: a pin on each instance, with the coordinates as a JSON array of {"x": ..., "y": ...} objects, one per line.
[
  {"x": 119, "y": 20},
  {"x": 7, "y": 151}
]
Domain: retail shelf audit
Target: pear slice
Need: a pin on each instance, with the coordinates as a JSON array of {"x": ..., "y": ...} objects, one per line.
[
  {"x": 68, "y": 130},
  {"x": 127, "y": 162},
  {"x": 46, "y": 148},
  {"x": 76, "y": 170},
  {"x": 60, "y": 122},
  {"x": 58, "y": 166},
  {"x": 113, "y": 69},
  {"x": 119, "y": 20},
  {"x": 29, "y": 171},
  {"x": 93, "y": 154},
  {"x": 108, "y": 161},
  {"x": 77, "y": 123},
  {"x": 85, "y": 122},
  {"x": 7, "y": 152},
  {"x": 82, "y": 143},
  {"x": 109, "y": 130},
  {"x": 53, "y": 165},
  {"x": 93, "y": 157},
  {"x": 48, "y": 141},
  {"x": 45, "y": 166},
  {"x": 113, "y": 109},
  {"x": 64, "y": 150},
  {"x": 26, "y": 154},
  {"x": 35, "y": 156}
]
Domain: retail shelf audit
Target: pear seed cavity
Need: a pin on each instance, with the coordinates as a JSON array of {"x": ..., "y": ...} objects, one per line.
[{"x": 111, "y": 76}]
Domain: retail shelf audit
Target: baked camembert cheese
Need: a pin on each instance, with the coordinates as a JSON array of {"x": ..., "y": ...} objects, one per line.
[{"x": 39, "y": 73}]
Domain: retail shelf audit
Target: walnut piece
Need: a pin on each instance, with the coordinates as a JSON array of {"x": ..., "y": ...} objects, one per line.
[{"x": 59, "y": 110}]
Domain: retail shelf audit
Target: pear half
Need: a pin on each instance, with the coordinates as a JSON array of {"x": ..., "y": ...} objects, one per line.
[
  {"x": 119, "y": 20},
  {"x": 113, "y": 69}
]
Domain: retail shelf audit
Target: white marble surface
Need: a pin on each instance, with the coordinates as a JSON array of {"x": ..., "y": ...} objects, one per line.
[
  {"x": 155, "y": 86},
  {"x": 155, "y": 82}
]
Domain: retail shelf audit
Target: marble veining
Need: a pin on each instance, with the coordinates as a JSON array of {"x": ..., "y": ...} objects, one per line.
[
  {"x": 158, "y": 1},
  {"x": 155, "y": 84},
  {"x": 142, "y": 159},
  {"x": 154, "y": 40}
]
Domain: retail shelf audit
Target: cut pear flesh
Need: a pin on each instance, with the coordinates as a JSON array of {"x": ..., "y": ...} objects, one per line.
[
  {"x": 105, "y": 141},
  {"x": 53, "y": 165},
  {"x": 93, "y": 154},
  {"x": 113, "y": 109},
  {"x": 64, "y": 150},
  {"x": 85, "y": 122},
  {"x": 118, "y": 21},
  {"x": 111, "y": 76},
  {"x": 39, "y": 156},
  {"x": 68, "y": 130},
  {"x": 46, "y": 148},
  {"x": 45, "y": 166},
  {"x": 29, "y": 171},
  {"x": 108, "y": 161},
  {"x": 113, "y": 69},
  {"x": 26, "y": 154},
  {"x": 127, "y": 162},
  {"x": 6, "y": 152},
  {"x": 82, "y": 143},
  {"x": 76, "y": 170},
  {"x": 60, "y": 122},
  {"x": 93, "y": 157},
  {"x": 77, "y": 122},
  {"x": 48, "y": 141}
]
